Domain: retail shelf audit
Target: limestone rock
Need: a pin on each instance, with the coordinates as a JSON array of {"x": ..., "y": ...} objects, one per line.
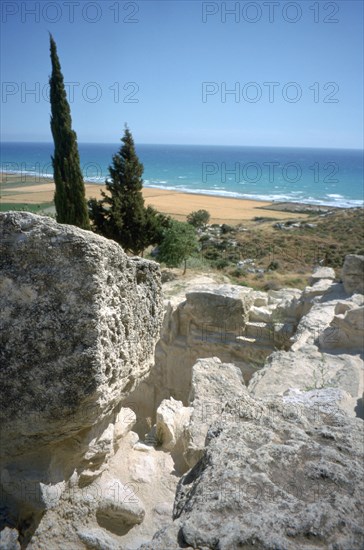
[
  {"x": 213, "y": 383},
  {"x": 97, "y": 539},
  {"x": 119, "y": 505},
  {"x": 319, "y": 288},
  {"x": 308, "y": 369},
  {"x": 275, "y": 296},
  {"x": 71, "y": 331},
  {"x": 206, "y": 321},
  {"x": 79, "y": 323},
  {"x": 318, "y": 305},
  {"x": 260, "y": 298},
  {"x": 322, "y": 273},
  {"x": 172, "y": 417},
  {"x": 9, "y": 539},
  {"x": 260, "y": 314},
  {"x": 353, "y": 274},
  {"x": 271, "y": 482},
  {"x": 125, "y": 421},
  {"x": 346, "y": 332},
  {"x": 333, "y": 402}
]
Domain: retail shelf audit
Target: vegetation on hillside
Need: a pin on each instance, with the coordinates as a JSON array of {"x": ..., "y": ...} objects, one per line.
[
  {"x": 200, "y": 218},
  {"x": 265, "y": 254},
  {"x": 178, "y": 244}
]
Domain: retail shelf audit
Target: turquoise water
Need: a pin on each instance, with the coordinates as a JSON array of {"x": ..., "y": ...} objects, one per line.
[{"x": 316, "y": 176}]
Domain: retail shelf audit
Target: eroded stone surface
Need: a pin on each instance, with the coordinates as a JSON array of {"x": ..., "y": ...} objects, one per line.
[
  {"x": 213, "y": 384},
  {"x": 353, "y": 274},
  {"x": 270, "y": 481},
  {"x": 79, "y": 324},
  {"x": 78, "y": 328}
]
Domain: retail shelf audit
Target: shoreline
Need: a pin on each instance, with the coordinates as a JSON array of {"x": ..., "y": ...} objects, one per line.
[
  {"x": 31, "y": 179},
  {"x": 178, "y": 204}
]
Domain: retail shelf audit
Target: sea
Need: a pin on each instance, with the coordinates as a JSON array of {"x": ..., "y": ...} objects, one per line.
[{"x": 332, "y": 177}]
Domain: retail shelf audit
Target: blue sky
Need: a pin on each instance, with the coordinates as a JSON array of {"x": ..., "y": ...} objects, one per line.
[{"x": 163, "y": 67}]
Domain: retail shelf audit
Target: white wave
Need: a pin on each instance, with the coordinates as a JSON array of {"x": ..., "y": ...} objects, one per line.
[{"x": 345, "y": 203}]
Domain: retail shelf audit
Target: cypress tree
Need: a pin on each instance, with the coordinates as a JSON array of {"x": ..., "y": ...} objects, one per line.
[
  {"x": 69, "y": 198},
  {"x": 121, "y": 214}
]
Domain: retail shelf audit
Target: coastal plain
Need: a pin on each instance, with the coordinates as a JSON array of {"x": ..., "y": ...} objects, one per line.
[{"x": 32, "y": 193}]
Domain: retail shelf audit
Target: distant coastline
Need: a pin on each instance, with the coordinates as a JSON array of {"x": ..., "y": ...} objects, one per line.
[{"x": 327, "y": 177}]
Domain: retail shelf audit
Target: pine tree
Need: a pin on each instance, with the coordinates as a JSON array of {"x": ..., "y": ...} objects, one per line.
[
  {"x": 69, "y": 198},
  {"x": 121, "y": 214}
]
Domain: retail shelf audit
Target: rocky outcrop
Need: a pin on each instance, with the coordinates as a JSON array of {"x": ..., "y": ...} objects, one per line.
[
  {"x": 213, "y": 384},
  {"x": 268, "y": 480},
  {"x": 353, "y": 274},
  {"x": 346, "y": 330},
  {"x": 172, "y": 418},
  {"x": 235, "y": 324},
  {"x": 279, "y": 466},
  {"x": 9, "y": 539},
  {"x": 251, "y": 399},
  {"x": 322, "y": 273},
  {"x": 308, "y": 369},
  {"x": 79, "y": 324}
]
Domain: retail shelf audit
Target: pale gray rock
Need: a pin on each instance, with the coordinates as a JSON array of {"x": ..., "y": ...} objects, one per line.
[
  {"x": 118, "y": 505},
  {"x": 79, "y": 323},
  {"x": 319, "y": 288},
  {"x": 97, "y": 539},
  {"x": 172, "y": 418},
  {"x": 332, "y": 402},
  {"x": 353, "y": 274},
  {"x": 308, "y": 369},
  {"x": 206, "y": 321},
  {"x": 260, "y": 314},
  {"x": 260, "y": 298},
  {"x": 125, "y": 421},
  {"x": 9, "y": 539},
  {"x": 269, "y": 481},
  {"x": 213, "y": 384},
  {"x": 322, "y": 273},
  {"x": 275, "y": 296},
  {"x": 346, "y": 332}
]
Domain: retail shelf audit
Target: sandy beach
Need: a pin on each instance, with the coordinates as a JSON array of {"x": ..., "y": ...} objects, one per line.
[{"x": 173, "y": 203}]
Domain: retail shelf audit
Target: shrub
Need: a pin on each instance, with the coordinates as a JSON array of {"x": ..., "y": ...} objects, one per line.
[
  {"x": 273, "y": 265},
  {"x": 199, "y": 218},
  {"x": 221, "y": 264}
]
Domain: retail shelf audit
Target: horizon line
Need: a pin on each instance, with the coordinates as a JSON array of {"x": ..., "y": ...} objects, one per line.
[{"x": 196, "y": 145}]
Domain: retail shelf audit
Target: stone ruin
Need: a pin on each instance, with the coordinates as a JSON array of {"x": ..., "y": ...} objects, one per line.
[{"x": 222, "y": 418}]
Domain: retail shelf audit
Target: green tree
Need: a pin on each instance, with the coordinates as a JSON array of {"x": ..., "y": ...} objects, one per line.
[
  {"x": 121, "y": 215},
  {"x": 69, "y": 198},
  {"x": 179, "y": 242},
  {"x": 198, "y": 218},
  {"x": 155, "y": 225}
]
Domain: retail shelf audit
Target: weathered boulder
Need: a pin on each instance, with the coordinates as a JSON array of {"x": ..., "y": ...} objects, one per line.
[
  {"x": 172, "y": 417},
  {"x": 213, "y": 384},
  {"x": 79, "y": 324},
  {"x": 319, "y": 288},
  {"x": 271, "y": 481},
  {"x": 308, "y": 369},
  {"x": 346, "y": 332},
  {"x": 9, "y": 539},
  {"x": 206, "y": 321},
  {"x": 353, "y": 274},
  {"x": 322, "y": 273},
  {"x": 97, "y": 539},
  {"x": 317, "y": 307},
  {"x": 119, "y": 506}
]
